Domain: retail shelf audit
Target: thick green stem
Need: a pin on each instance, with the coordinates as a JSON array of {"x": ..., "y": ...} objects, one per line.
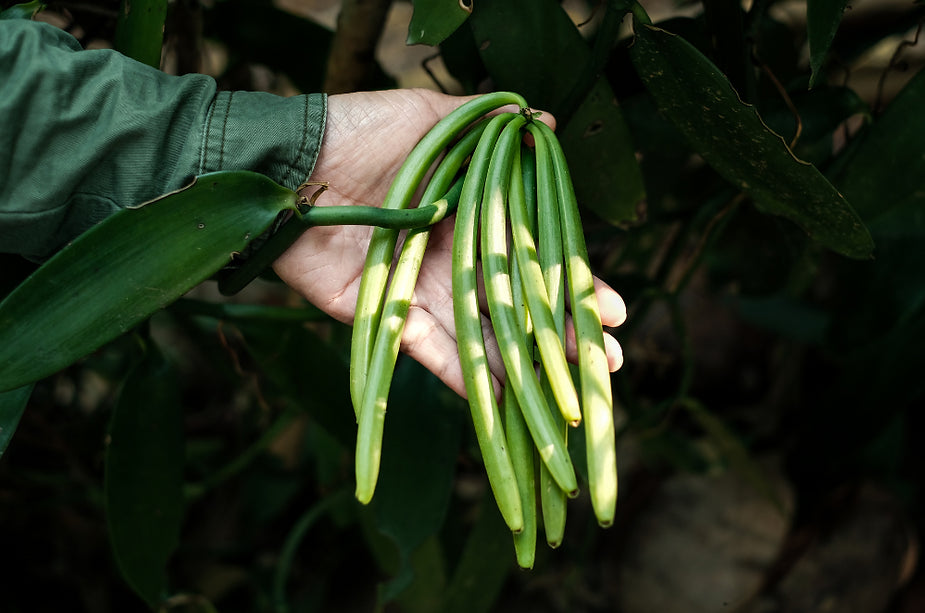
[{"x": 393, "y": 219}]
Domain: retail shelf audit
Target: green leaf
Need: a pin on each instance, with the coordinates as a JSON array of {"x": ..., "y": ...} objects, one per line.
[
  {"x": 434, "y": 20},
  {"x": 602, "y": 160},
  {"x": 486, "y": 561},
  {"x": 732, "y": 138},
  {"x": 886, "y": 169},
  {"x": 538, "y": 59},
  {"x": 425, "y": 594},
  {"x": 419, "y": 452},
  {"x": 25, "y": 10},
  {"x": 12, "y": 406},
  {"x": 135, "y": 262},
  {"x": 822, "y": 19},
  {"x": 144, "y": 475},
  {"x": 140, "y": 30}
]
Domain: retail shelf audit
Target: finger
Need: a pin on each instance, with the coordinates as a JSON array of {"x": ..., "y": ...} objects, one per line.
[
  {"x": 612, "y": 307},
  {"x": 610, "y": 304},
  {"x": 614, "y": 353},
  {"x": 611, "y": 347}
]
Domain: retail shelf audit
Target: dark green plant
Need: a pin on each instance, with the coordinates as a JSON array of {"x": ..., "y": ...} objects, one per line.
[{"x": 706, "y": 154}]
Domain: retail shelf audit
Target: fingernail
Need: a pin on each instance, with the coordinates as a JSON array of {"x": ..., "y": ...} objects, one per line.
[
  {"x": 614, "y": 353},
  {"x": 613, "y": 309}
]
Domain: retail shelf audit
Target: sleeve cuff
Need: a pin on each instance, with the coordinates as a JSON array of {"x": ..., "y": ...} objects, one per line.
[{"x": 275, "y": 136}]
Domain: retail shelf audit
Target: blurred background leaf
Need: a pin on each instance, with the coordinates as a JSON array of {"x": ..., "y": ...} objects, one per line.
[
  {"x": 732, "y": 138},
  {"x": 434, "y": 20},
  {"x": 822, "y": 19},
  {"x": 144, "y": 475},
  {"x": 420, "y": 449},
  {"x": 538, "y": 60},
  {"x": 750, "y": 349},
  {"x": 140, "y": 30},
  {"x": 12, "y": 405},
  {"x": 883, "y": 169}
]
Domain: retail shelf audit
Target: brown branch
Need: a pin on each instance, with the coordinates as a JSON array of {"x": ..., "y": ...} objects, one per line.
[
  {"x": 790, "y": 106},
  {"x": 353, "y": 52}
]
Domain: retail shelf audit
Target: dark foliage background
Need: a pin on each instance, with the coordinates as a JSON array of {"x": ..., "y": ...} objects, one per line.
[{"x": 770, "y": 403}]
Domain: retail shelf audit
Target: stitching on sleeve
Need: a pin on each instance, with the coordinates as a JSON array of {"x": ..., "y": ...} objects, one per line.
[
  {"x": 221, "y": 157},
  {"x": 322, "y": 128},
  {"x": 204, "y": 155},
  {"x": 304, "y": 144}
]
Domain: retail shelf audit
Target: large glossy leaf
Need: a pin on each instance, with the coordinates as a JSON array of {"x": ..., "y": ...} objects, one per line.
[
  {"x": 732, "y": 138},
  {"x": 434, "y": 20},
  {"x": 121, "y": 271},
  {"x": 144, "y": 475},
  {"x": 12, "y": 406},
  {"x": 421, "y": 443},
  {"x": 538, "y": 59},
  {"x": 140, "y": 30},
  {"x": 886, "y": 169},
  {"x": 822, "y": 19}
]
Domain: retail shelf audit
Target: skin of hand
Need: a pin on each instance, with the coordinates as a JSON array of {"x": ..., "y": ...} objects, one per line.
[{"x": 366, "y": 139}]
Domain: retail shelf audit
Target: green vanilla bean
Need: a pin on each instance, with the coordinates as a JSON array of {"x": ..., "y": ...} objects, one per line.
[
  {"x": 518, "y": 434},
  {"x": 398, "y": 299},
  {"x": 371, "y": 413},
  {"x": 596, "y": 393},
  {"x": 521, "y": 449},
  {"x": 549, "y": 341},
  {"x": 235, "y": 280},
  {"x": 518, "y": 358},
  {"x": 473, "y": 359},
  {"x": 382, "y": 243},
  {"x": 135, "y": 262},
  {"x": 553, "y": 499}
]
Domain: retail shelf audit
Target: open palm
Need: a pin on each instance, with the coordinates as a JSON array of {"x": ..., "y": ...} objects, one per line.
[{"x": 366, "y": 139}]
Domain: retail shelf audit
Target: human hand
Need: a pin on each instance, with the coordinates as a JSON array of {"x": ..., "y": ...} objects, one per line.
[{"x": 366, "y": 139}]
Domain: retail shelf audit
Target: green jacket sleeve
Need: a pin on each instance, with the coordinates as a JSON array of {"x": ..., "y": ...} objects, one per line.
[{"x": 84, "y": 133}]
